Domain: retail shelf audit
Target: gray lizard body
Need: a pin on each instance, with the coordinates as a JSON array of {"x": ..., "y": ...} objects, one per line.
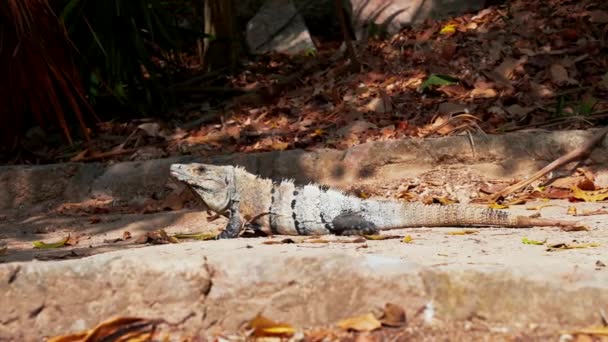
[{"x": 286, "y": 209}]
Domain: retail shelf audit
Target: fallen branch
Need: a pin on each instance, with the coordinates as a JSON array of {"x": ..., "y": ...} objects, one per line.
[{"x": 578, "y": 153}]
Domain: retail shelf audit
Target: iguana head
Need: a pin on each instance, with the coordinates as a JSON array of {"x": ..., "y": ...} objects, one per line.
[{"x": 213, "y": 183}]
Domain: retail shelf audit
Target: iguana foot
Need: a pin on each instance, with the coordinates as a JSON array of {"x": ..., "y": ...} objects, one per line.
[{"x": 234, "y": 226}]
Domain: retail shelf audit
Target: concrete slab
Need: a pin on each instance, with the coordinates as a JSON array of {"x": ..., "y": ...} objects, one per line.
[{"x": 217, "y": 285}]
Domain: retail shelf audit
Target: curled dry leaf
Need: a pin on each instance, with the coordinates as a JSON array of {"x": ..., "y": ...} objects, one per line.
[
  {"x": 393, "y": 316},
  {"x": 589, "y": 196},
  {"x": 438, "y": 200},
  {"x": 264, "y": 327},
  {"x": 559, "y": 74},
  {"x": 45, "y": 245},
  {"x": 156, "y": 237},
  {"x": 497, "y": 206},
  {"x": 527, "y": 241},
  {"x": 367, "y": 322},
  {"x": 115, "y": 329}
]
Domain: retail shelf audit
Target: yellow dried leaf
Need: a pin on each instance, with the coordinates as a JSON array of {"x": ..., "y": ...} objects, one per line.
[
  {"x": 319, "y": 132},
  {"x": 497, "y": 206},
  {"x": 573, "y": 246},
  {"x": 571, "y": 210},
  {"x": 444, "y": 200},
  {"x": 116, "y": 329},
  {"x": 195, "y": 236},
  {"x": 407, "y": 196},
  {"x": 538, "y": 207},
  {"x": 407, "y": 239},
  {"x": 279, "y": 145},
  {"x": 376, "y": 237},
  {"x": 590, "y": 196},
  {"x": 272, "y": 242},
  {"x": 463, "y": 232},
  {"x": 597, "y": 331},
  {"x": 316, "y": 241},
  {"x": 264, "y": 327},
  {"x": 61, "y": 243},
  {"x": 363, "y": 194},
  {"x": 448, "y": 29},
  {"x": 367, "y": 322},
  {"x": 527, "y": 241}
]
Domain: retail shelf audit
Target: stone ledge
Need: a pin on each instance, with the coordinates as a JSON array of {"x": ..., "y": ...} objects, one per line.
[
  {"x": 511, "y": 155},
  {"x": 220, "y": 284}
]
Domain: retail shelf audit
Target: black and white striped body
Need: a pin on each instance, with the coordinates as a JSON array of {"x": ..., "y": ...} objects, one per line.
[{"x": 286, "y": 209}]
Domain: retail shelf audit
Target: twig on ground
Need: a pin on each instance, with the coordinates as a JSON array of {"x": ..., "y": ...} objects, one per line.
[{"x": 578, "y": 153}]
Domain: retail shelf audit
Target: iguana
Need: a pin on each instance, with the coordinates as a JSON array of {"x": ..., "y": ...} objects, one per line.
[{"x": 287, "y": 209}]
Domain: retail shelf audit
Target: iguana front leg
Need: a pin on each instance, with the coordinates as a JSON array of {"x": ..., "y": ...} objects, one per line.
[{"x": 235, "y": 223}]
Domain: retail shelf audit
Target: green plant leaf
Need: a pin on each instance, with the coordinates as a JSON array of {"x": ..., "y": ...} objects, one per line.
[{"x": 438, "y": 80}]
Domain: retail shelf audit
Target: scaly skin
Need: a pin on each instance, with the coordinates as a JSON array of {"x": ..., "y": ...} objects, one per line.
[{"x": 287, "y": 209}]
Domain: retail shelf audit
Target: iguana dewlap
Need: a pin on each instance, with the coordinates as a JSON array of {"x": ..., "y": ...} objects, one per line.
[{"x": 287, "y": 209}]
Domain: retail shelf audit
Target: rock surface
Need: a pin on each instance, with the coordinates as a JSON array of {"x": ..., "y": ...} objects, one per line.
[
  {"x": 283, "y": 26},
  {"x": 278, "y": 27}
]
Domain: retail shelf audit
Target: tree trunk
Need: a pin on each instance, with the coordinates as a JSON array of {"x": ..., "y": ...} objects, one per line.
[{"x": 221, "y": 46}]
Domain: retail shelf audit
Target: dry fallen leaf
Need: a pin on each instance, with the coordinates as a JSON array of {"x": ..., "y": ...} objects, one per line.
[
  {"x": 367, "y": 322},
  {"x": 539, "y": 207},
  {"x": 381, "y": 237},
  {"x": 195, "y": 236},
  {"x": 498, "y": 206},
  {"x": 264, "y": 327},
  {"x": 562, "y": 245},
  {"x": 315, "y": 241},
  {"x": 394, "y": 315},
  {"x": 559, "y": 74},
  {"x": 45, "y": 245},
  {"x": 589, "y": 196},
  {"x": 115, "y": 329},
  {"x": 448, "y": 29},
  {"x": 527, "y": 241},
  {"x": 463, "y": 232},
  {"x": 438, "y": 200}
]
